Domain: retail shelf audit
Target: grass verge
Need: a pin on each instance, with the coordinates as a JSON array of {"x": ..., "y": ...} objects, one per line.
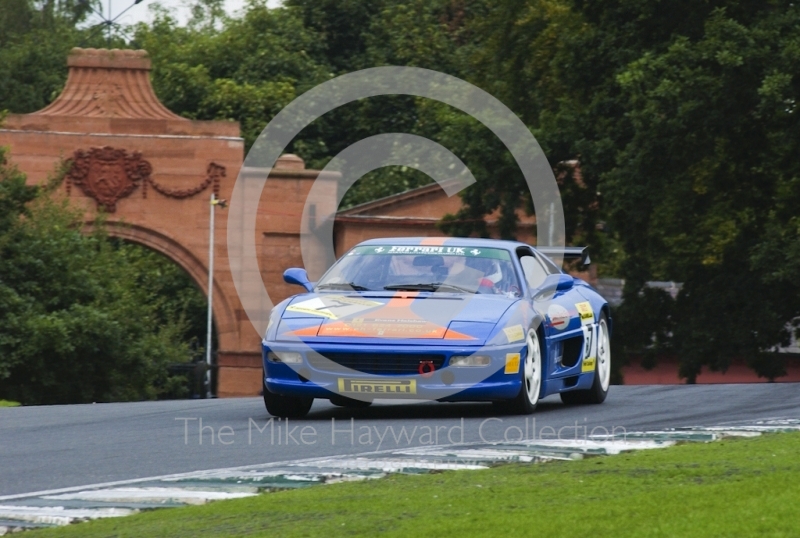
[
  {"x": 738, "y": 487},
  {"x": 7, "y": 403}
]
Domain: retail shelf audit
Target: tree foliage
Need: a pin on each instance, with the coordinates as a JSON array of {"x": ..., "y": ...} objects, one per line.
[
  {"x": 35, "y": 38},
  {"x": 683, "y": 117},
  {"x": 247, "y": 71},
  {"x": 81, "y": 319}
]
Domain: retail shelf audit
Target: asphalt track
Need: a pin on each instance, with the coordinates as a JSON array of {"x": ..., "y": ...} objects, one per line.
[{"x": 52, "y": 447}]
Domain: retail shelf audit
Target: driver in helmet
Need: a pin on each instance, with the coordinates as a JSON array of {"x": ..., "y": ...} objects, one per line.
[{"x": 478, "y": 274}]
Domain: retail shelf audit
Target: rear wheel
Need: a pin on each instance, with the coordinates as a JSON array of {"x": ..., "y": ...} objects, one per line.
[
  {"x": 602, "y": 371},
  {"x": 531, "y": 379},
  {"x": 286, "y": 406}
]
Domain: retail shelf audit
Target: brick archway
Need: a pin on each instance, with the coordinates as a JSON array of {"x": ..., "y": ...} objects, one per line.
[
  {"x": 153, "y": 173},
  {"x": 224, "y": 316}
]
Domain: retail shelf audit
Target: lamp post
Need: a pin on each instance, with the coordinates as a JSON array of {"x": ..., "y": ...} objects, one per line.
[
  {"x": 106, "y": 21},
  {"x": 213, "y": 206}
]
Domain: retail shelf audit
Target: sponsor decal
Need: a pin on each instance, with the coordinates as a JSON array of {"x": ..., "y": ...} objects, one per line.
[
  {"x": 559, "y": 317},
  {"x": 514, "y": 333},
  {"x": 453, "y": 251},
  {"x": 588, "y": 336},
  {"x": 368, "y": 386},
  {"x": 325, "y": 306},
  {"x": 588, "y": 349},
  {"x": 306, "y": 308},
  {"x": 394, "y": 320},
  {"x": 512, "y": 363},
  {"x": 585, "y": 312},
  {"x": 440, "y": 250},
  {"x": 386, "y": 328}
]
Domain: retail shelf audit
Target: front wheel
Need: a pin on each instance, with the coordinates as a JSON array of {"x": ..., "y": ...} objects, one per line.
[
  {"x": 602, "y": 371},
  {"x": 530, "y": 377},
  {"x": 286, "y": 406}
]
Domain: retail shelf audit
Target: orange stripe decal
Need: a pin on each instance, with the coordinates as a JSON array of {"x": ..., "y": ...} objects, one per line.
[
  {"x": 455, "y": 335},
  {"x": 309, "y": 331},
  {"x": 433, "y": 241},
  {"x": 341, "y": 329}
]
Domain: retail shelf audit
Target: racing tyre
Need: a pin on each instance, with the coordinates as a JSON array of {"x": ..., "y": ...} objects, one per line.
[
  {"x": 286, "y": 406},
  {"x": 352, "y": 403},
  {"x": 531, "y": 377},
  {"x": 602, "y": 371}
]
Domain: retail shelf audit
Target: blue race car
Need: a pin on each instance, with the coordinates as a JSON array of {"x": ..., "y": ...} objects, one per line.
[{"x": 447, "y": 319}]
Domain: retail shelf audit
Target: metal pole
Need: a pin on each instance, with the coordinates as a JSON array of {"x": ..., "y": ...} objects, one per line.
[{"x": 210, "y": 293}]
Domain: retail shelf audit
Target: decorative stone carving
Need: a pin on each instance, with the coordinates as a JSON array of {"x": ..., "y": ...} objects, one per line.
[
  {"x": 214, "y": 174},
  {"x": 108, "y": 174},
  {"x": 109, "y": 84}
]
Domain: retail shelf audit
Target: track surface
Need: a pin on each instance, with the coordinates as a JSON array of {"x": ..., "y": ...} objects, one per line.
[{"x": 51, "y": 447}]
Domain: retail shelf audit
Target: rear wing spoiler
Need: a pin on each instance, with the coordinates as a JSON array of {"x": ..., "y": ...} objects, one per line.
[{"x": 568, "y": 253}]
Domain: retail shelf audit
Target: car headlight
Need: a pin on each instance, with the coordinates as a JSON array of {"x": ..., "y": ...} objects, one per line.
[
  {"x": 286, "y": 357},
  {"x": 470, "y": 361}
]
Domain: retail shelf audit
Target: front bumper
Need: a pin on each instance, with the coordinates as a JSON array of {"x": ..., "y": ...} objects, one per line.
[{"x": 493, "y": 382}]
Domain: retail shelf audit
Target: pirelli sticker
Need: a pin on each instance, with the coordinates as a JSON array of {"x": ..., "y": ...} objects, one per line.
[
  {"x": 378, "y": 386},
  {"x": 585, "y": 312}
]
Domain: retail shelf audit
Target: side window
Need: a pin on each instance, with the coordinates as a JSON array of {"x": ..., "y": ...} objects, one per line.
[{"x": 534, "y": 272}]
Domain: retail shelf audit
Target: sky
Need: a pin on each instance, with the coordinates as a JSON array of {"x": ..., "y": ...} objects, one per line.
[{"x": 141, "y": 12}]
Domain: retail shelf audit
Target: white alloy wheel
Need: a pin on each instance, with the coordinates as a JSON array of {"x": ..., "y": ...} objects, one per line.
[
  {"x": 532, "y": 374},
  {"x": 603, "y": 354},
  {"x": 602, "y": 371}
]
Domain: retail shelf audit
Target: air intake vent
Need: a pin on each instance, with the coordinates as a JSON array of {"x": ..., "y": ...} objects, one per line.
[
  {"x": 376, "y": 363},
  {"x": 572, "y": 350}
]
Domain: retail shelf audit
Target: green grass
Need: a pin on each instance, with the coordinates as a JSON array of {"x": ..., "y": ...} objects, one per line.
[
  {"x": 6, "y": 403},
  {"x": 741, "y": 487}
]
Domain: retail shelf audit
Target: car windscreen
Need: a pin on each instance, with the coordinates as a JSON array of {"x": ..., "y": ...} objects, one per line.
[{"x": 442, "y": 269}]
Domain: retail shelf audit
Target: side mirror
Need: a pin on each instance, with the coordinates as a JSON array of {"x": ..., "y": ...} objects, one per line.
[
  {"x": 565, "y": 282},
  {"x": 559, "y": 282},
  {"x": 299, "y": 276}
]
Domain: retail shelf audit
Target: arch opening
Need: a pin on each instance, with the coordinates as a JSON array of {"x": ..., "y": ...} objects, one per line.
[{"x": 181, "y": 281}]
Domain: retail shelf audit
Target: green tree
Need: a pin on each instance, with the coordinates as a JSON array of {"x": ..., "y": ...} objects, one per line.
[
  {"x": 359, "y": 34},
  {"x": 75, "y": 323},
  {"x": 683, "y": 117},
  {"x": 699, "y": 187},
  {"x": 35, "y": 38},
  {"x": 246, "y": 71}
]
